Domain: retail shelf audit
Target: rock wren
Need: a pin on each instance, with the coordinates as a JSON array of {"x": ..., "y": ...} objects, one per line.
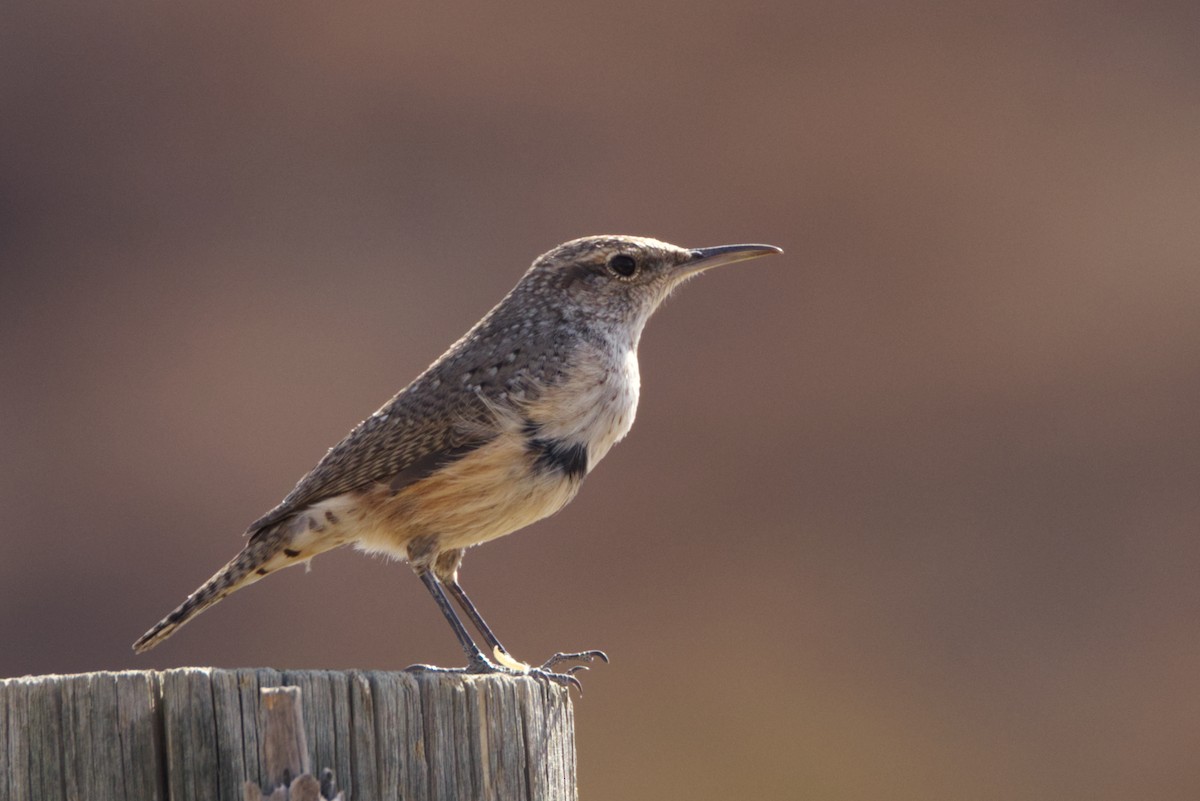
[{"x": 497, "y": 433}]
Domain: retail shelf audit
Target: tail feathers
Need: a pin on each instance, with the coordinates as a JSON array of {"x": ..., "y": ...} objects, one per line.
[{"x": 256, "y": 560}]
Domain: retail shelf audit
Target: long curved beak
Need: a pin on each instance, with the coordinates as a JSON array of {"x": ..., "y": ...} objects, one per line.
[{"x": 706, "y": 258}]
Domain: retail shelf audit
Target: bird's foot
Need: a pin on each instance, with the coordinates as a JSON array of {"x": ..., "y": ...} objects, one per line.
[
  {"x": 567, "y": 677},
  {"x": 578, "y": 656},
  {"x": 481, "y": 665},
  {"x": 564, "y": 679},
  {"x": 477, "y": 666}
]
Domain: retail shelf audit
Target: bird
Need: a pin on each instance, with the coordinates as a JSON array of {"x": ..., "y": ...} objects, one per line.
[{"x": 497, "y": 433}]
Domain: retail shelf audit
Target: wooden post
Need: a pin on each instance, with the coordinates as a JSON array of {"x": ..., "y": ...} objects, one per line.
[
  {"x": 198, "y": 734},
  {"x": 284, "y": 751}
]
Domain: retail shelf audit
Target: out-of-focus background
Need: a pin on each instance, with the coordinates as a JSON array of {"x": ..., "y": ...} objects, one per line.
[{"x": 910, "y": 512}]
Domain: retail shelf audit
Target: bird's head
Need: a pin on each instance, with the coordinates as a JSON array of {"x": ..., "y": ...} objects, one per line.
[{"x": 621, "y": 280}]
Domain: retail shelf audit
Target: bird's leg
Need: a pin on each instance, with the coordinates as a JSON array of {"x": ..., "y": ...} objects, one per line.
[
  {"x": 442, "y": 575},
  {"x": 502, "y": 655},
  {"x": 476, "y": 661},
  {"x": 498, "y": 650}
]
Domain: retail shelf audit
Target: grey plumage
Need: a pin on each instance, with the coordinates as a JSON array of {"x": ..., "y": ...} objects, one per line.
[
  {"x": 496, "y": 433},
  {"x": 521, "y": 347}
]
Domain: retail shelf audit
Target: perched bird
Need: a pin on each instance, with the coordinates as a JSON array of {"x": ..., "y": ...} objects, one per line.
[{"x": 497, "y": 433}]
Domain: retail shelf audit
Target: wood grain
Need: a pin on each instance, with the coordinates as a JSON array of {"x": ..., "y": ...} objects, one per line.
[{"x": 196, "y": 734}]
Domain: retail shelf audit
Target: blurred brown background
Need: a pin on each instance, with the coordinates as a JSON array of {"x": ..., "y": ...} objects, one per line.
[{"x": 910, "y": 512}]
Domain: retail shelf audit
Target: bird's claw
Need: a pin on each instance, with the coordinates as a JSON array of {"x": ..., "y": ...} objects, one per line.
[
  {"x": 584, "y": 656},
  {"x": 567, "y": 677},
  {"x": 564, "y": 679}
]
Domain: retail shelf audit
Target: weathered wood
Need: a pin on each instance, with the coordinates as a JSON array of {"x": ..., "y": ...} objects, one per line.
[
  {"x": 195, "y": 734},
  {"x": 285, "y": 751},
  {"x": 284, "y": 746}
]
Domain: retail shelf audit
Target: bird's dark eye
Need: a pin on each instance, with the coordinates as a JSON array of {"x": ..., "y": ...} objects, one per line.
[{"x": 623, "y": 265}]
